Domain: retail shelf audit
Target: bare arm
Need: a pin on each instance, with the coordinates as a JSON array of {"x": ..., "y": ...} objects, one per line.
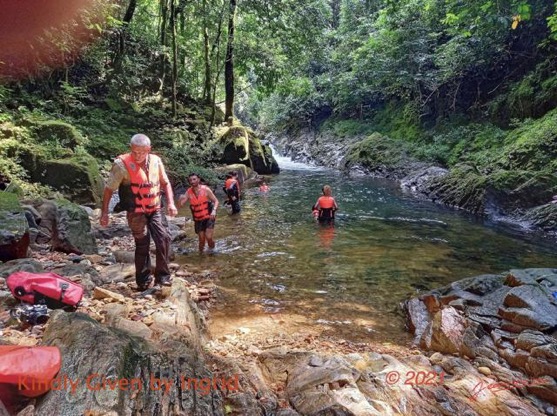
[
  {"x": 167, "y": 188},
  {"x": 107, "y": 196},
  {"x": 183, "y": 199}
]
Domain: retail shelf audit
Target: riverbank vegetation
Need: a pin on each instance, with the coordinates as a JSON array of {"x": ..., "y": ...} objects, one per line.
[{"x": 470, "y": 87}]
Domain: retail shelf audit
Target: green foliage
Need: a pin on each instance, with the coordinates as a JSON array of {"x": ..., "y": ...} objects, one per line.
[
  {"x": 399, "y": 121},
  {"x": 54, "y": 133},
  {"x": 463, "y": 187},
  {"x": 291, "y": 107},
  {"x": 531, "y": 96},
  {"x": 347, "y": 128},
  {"x": 179, "y": 165},
  {"x": 532, "y": 146},
  {"x": 377, "y": 152}
]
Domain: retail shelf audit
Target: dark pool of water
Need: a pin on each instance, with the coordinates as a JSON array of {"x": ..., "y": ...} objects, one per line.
[{"x": 386, "y": 246}]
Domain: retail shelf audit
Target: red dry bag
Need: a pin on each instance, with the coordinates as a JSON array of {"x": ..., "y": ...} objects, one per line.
[
  {"x": 48, "y": 288},
  {"x": 30, "y": 369}
]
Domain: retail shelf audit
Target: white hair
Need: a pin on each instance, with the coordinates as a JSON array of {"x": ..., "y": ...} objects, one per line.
[{"x": 140, "y": 140}]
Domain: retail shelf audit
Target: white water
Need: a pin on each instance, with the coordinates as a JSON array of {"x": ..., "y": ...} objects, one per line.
[{"x": 286, "y": 163}]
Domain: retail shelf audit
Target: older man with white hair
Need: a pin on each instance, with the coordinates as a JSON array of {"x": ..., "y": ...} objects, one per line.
[{"x": 139, "y": 176}]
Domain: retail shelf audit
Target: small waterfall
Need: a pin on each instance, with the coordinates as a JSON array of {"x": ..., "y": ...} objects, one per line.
[{"x": 286, "y": 163}]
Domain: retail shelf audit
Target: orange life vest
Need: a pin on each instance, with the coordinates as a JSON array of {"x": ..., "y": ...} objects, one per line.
[
  {"x": 326, "y": 207},
  {"x": 229, "y": 183},
  {"x": 199, "y": 204},
  {"x": 326, "y": 202},
  {"x": 145, "y": 186}
]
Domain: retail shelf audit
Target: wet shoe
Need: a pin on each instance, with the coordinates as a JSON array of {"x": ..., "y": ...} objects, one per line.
[
  {"x": 144, "y": 286},
  {"x": 166, "y": 281}
]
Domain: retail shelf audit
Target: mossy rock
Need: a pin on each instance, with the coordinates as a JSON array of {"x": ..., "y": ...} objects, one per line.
[
  {"x": 242, "y": 146},
  {"x": 519, "y": 189},
  {"x": 74, "y": 229},
  {"x": 380, "y": 154},
  {"x": 544, "y": 216},
  {"x": 77, "y": 178},
  {"x": 532, "y": 146},
  {"x": 9, "y": 203},
  {"x": 463, "y": 187},
  {"x": 261, "y": 156},
  {"x": 60, "y": 133},
  {"x": 14, "y": 230},
  {"x": 236, "y": 145}
]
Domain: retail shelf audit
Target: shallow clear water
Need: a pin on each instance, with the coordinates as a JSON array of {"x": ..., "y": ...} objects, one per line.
[{"x": 349, "y": 280}]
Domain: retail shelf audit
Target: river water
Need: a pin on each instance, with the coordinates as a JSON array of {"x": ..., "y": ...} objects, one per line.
[{"x": 274, "y": 261}]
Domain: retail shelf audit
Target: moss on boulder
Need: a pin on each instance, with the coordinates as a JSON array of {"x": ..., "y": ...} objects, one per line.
[
  {"x": 465, "y": 187},
  {"x": 77, "y": 178},
  {"x": 14, "y": 230},
  {"x": 59, "y": 133},
  {"x": 382, "y": 156},
  {"x": 462, "y": 187},
  {"x": 241, "y": 145}
]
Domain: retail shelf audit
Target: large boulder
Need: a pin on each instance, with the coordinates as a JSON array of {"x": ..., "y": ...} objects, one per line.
[
  {"x": 242, "y": 146},
  {"x": 14, "y": 231},
  {"x": 115, "y": 372},
  {"x": 65, "y": 226},
  {"x": 76, "y": 177}
]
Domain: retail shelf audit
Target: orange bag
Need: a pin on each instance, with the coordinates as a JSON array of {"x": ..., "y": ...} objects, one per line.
[{"x": 29, "y": 369}]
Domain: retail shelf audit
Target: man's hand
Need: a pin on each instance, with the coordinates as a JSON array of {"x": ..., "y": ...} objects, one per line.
[
  {"x": 104, "y": 219},
  {"x": 182, "y": 199},
  {"x": 172, "y": 211}
]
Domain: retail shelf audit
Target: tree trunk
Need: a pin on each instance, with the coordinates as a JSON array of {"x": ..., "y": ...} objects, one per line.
[
  {"x": 207, "y": 58},
  {"x": 335, "y": 12},
  {"x": 207, "y": 83},
  {"x": 174, "y": 55},
  {"x": 163, "y": 29},
  {"x": 229, "y": 67},
  {"x": 122, "y": 35}
]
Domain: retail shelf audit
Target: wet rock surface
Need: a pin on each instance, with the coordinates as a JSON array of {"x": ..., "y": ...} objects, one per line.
[
  {"x": 473, "y": 364},
  {"x": 506, "y": 323}
]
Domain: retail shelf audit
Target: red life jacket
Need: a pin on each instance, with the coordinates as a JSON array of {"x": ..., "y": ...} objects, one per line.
[
  {"x": 199, "y": 204},
  {"x": 145, "y": 187}
]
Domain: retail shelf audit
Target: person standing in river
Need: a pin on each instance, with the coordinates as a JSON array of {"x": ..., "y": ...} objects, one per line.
[
  {"x": 203, "y": 204},
  {"x": 140, "y": 177},
  {"x": 326, "y": 206},
  {"x": 232, "y": 189}
]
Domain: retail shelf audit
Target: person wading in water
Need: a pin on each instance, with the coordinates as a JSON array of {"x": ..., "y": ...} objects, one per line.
[
  {"x": 326, "y": 206},
  {"x": 232, "y": 189},
  {"x": 203, "y": 204},
  {"x": 140, "y": 177}
]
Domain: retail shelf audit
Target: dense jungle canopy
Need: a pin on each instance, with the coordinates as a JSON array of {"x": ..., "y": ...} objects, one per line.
[{"x": 448, "y": 81}]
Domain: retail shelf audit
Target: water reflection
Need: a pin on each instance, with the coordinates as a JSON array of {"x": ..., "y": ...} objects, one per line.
[{"x": 349, "y": 280}]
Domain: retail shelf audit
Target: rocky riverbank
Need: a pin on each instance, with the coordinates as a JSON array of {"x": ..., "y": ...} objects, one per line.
[
  {"x": 525, "y": 203},
  {"x": 161, "y": 343}
]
